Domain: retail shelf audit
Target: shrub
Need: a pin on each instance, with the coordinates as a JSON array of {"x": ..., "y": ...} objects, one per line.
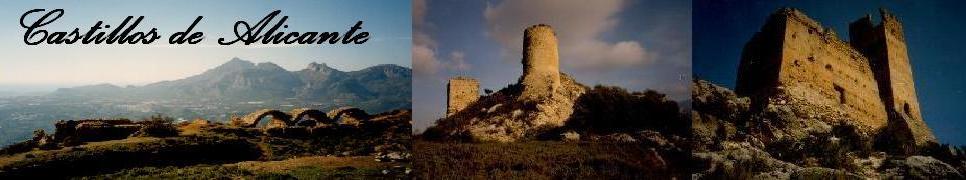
[
  {"x": 18, "y": 147},
  {"x": 607, "y": 109},
  {"x": 835, "y": 149},
  {"x": 158, "y": 126}
]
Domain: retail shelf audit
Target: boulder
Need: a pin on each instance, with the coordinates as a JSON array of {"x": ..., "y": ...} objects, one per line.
[
  {"x": 651, "y": 138},
  {"x": 920, "y": 167},
  {"x": 570, "y": 136},
  {"x": 620, "y": 137}
]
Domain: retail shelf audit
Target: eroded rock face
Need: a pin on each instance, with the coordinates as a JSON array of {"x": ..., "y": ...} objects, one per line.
[
  {"x": 715, "y": 110},
  {"x": 784, "y": 139},
  {"x": 741, "y": 161},
  {"x": 920, "y": 167}
]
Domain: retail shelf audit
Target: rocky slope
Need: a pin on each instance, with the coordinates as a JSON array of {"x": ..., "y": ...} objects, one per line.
[
  {"x": 782, "y": 140},
  {"x": 501, "y": 116}
]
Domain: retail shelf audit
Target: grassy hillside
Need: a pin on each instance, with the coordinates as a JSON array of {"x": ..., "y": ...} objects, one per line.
[
  {"x": 537, "y": 160},
  {"x": 376, "y": 148}
]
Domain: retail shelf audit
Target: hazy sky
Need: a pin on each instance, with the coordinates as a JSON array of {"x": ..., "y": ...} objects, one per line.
[
  {"x": 27, "y": 67},
  {"x": 933, "y": 32},
  {"x": 634, "y": 44}
]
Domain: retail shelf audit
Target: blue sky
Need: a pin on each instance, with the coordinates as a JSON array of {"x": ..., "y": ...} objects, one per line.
[
  {"x": 634, "y": 44},
  {"x": 44, "y": 67},
  {"x": 933, "y": 31}
]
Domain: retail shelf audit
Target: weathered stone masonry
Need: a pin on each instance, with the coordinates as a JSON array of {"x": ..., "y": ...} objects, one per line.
[
  {"x": 461, "y": 92},
  {"x": 869, "y": 78},
  {"x": 541, "y": 64}
]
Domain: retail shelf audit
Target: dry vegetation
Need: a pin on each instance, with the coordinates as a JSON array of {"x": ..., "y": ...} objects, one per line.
[
  {"x": 536, "y": 160},
  {"x": 203, "y": 150},
  {"x": 315, "y": 167}
]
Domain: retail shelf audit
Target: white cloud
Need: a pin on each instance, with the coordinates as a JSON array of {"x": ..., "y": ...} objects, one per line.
[
  {"x": 579, "y": 26},
  {"x": 424, "y": 53},
  {"x": 457, "y": 61},
  {"x": 425, "y": 61}
]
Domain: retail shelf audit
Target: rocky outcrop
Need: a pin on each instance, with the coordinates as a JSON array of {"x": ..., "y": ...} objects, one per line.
[
  {"x": 715, "y": 110},
  {"x": 503, "y": 117},
  {"x": 919, "y": 167},
  {"x": 783, "y": 139}
]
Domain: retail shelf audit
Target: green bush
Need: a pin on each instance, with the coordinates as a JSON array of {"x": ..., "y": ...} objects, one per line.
[
  {"x": 158, "y": 126},
  {"x": 607, "y": 109}
]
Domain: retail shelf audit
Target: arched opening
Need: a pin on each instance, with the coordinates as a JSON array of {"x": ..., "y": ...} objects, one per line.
[
  {"x": 266, "y": 118},
  {"x": 264, "y": 121},
  {"x": 309, "y": 117}
]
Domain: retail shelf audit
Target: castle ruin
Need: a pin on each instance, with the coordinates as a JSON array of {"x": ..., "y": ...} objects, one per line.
[
  {"x": 542, "y": 98},
  {"x": 461, "y": 92},
  {"x": 541, "y": 66},
  {"x": 868, "y": 79}
]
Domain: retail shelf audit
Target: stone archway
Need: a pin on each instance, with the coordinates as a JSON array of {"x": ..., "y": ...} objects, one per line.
[
  {"x": 348, "y": 115},
  {"x": 300, "y": 114},
  {"x": 278, "y": 117}
]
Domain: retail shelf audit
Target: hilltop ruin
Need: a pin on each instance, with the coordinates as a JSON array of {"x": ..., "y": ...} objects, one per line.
[
  {"x": 543, "y": 98},
  {"x": 868, "y": 80}
]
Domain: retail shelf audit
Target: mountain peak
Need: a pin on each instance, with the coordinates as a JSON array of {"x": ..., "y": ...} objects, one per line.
[
  {"x": 269, "y": 66},
  {"x": 321, "y": 67},
  {"x": 236, "y": 60},
  {"x": 236, "y": 63}
]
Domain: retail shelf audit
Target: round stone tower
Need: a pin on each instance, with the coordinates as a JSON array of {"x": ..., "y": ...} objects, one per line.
[{"x": 541, "y": 66}]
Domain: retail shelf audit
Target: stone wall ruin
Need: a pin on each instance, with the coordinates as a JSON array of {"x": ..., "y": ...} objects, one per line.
[
  {"x": 869, "y": 79},
  {"x": 461, "y": 92}
]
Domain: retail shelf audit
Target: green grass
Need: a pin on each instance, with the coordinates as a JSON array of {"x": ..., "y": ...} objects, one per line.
[
  {"x": 534, "y": 160},
  {"x": 192, "y": 172},
  {"x": 109, "y": 156}
]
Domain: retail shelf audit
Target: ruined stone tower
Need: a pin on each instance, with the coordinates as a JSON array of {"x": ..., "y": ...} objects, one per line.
[
  {"x": 541, "y": 67},
  {"x": 885, "y": 46},
  {"x": 461, "y": 92},
  {"x": 868, "y": 80}
]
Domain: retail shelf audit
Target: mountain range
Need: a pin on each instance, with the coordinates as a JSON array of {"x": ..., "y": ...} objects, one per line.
[{"x": 375, "y": 89}]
